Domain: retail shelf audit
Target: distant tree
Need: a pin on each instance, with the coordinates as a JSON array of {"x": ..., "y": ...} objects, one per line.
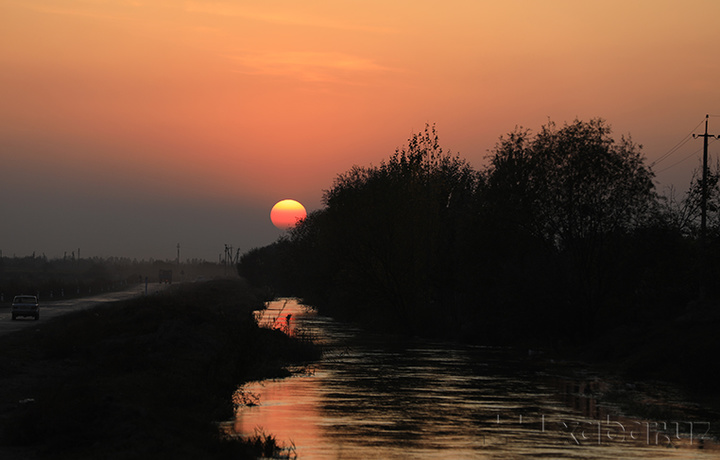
[
  {"x": 685, "y": 212},
  {"x": 391, "y": 231},
  {"x": 572, "y": 183},
  {"x": 271, "y": 267},
  {"x": 574, "y": 189}
]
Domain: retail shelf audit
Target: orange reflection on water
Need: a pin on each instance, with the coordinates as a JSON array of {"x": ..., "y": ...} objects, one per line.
[
  {"x": 287, "y": 410},
  {"x": 284, "y": 408},
  {"x": 279, "y": 314},
  {"x": 415, "y": 399}
]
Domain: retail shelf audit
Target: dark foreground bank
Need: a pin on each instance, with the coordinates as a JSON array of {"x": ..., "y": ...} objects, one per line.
[{"x": 147, "y": 378}]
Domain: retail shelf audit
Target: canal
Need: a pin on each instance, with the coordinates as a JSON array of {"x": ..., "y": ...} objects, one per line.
[{"x": 378, "y": 397}]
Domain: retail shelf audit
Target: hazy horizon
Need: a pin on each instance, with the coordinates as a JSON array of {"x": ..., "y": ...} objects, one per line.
[{"x": 128, "y": 127}]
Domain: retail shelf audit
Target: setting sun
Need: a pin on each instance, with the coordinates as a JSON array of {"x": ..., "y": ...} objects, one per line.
[
  {"x": 127, "y": 114},
  {"x": 286, "y": 214}
]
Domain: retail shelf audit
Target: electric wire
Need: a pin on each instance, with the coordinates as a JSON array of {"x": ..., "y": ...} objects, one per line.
[
  {"x": 687, "y": 157},
  {"x": 673, "y": 150},
  {"x": 680, "y": 161},
  {"x": 677, "y": 146}
]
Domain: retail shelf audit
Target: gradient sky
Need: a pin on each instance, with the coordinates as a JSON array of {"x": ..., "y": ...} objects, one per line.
[{"x": 127, "y": 127}]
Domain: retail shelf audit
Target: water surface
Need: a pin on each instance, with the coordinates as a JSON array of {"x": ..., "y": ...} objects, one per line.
[{"x": 378, "y": 397}]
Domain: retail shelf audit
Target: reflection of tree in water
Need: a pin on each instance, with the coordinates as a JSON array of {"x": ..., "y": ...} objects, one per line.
[
  {"x": 407, "y": 397},
  {"x": 415, "y": 392}
]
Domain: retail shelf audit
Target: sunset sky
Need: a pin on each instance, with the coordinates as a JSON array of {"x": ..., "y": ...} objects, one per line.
[{"x": 129, "y": 126}]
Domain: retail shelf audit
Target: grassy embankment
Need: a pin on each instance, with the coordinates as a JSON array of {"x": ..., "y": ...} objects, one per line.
[{"x": 146, "y": 378}]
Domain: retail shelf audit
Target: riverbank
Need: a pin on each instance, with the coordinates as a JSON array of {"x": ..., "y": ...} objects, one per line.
[
  {"x": 143, "y": 378},
  {"x": 681, "y": 351}
]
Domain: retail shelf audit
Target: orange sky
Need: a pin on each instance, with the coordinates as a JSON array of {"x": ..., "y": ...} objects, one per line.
[{"x": 140, "y": 124}]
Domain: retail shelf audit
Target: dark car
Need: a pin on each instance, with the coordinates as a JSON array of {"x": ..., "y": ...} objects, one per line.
[{"x": 25, "y": 305}]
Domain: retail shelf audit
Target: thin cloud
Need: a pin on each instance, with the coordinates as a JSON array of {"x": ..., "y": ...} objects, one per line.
[
  {"x": 87, "y": 8},
  {"x": 283, "y": 17},
  {"x": 307, "y": 66}
]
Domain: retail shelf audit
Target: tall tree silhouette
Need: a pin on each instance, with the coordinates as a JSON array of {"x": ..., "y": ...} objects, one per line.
[
  {"x": 574, "y": 188},
  {"x": 393, "y": 229}
]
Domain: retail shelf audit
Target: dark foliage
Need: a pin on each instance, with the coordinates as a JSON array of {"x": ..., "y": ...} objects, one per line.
[{"x": 561, "y": 239}]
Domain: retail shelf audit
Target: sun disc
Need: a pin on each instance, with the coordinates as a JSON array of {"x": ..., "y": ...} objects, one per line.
[{"x": 286, "y": 214}]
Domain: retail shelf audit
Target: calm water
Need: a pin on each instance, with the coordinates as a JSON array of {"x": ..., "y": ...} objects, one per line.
[{"x": 373, "y": 397}]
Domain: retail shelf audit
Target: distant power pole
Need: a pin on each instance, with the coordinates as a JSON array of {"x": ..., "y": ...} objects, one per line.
[
  {"x": 703, "y": 206},
  {"x": 178, "y": 257},
  {"x": 703, "y": 202}
]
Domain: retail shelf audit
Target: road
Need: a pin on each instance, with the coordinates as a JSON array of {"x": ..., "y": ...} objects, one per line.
[{"x": 52, "y": 309}]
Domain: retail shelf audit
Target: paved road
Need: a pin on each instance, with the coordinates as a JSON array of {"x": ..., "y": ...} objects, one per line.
[{"x": 52, "y": 309}]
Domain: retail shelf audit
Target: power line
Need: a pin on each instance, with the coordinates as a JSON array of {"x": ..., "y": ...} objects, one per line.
[
  {"x": 672, "y": 151},
  {"x": 691, "y": 155},
  {"x": 681, "y": 161},
  {"x": 677, "y": 146}
]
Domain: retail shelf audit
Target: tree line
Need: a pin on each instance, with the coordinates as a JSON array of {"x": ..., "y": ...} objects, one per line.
[
  {"x": 75, "y": 277},
  {"x": 561, "y": 237}
]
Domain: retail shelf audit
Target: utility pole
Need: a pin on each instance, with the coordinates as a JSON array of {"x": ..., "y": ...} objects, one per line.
[
  {"x": 703, "y": 208},
  {"x": 178, "y": 256},
  {"x": 226, "y": 259},
  {"x": 703, "y": 202}
]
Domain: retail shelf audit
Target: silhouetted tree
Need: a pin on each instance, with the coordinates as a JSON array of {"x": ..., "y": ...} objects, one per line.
[
  {"x": 562, "y": 235},
  {"x": 684, "y": 212},
  {"x": 573, "y": 189},
  {"x": 391, "y": 231},
  {"x": 573, "y": 183}
]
